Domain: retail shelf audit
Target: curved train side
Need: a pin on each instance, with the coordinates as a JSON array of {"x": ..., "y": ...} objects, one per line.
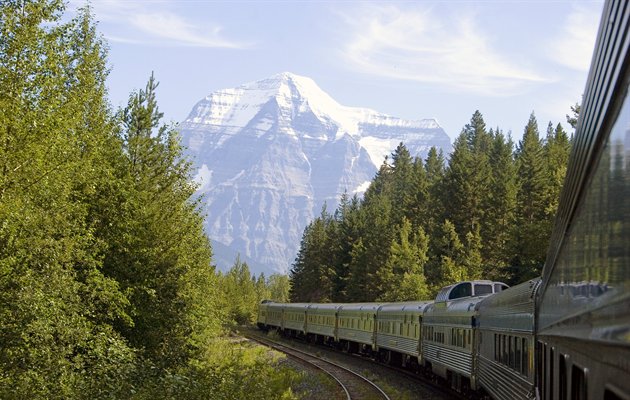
[{"x": 437, "y": 337}]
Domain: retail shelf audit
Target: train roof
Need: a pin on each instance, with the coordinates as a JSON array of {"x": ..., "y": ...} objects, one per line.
[
  {"x": 407, "y": 306},
  {"x": 512, "y": 298},
  {"x": 324, "y": 306},
  {"x": 359, "y": 307},
  {"x": 295, "y": 306},
  {"x": 453, "y": 309},
  {"x": 512, "y": 309}
]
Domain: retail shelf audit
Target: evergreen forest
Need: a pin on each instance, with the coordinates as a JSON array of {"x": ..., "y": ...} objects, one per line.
[{"x": 486, "y": 212}]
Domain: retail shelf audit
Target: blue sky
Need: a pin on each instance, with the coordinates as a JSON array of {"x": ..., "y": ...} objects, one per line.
[{"x": 413, "y": 59}]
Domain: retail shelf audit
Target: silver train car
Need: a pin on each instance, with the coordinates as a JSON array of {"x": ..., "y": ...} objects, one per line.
[
  {"x": 294, "y": 318},
  {"x": 505, "y": 337},
  {"x": 583, "y": 305},
  {"x": 448, "y": 344},
  {"x": 398, "y": 332},
  {"x": 356, "y": 326},
  {"x": 322, "y": 323}
]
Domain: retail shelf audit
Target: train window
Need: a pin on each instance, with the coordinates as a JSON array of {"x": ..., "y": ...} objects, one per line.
[
  {"x": 496, "y": 347},
  {"x": 525, "y": 358},
  {"x": 481, "y": 289},
  {"x": 551, "y": 372},
  {"x": 510, "y": 352},
  {"x": 517, "y": 354},
  {"x": 562, "y": 382},
  {"x": 464, "y": 289},
  {"x": 540, "y": 353},
  {"x": 578, "y": 383}
]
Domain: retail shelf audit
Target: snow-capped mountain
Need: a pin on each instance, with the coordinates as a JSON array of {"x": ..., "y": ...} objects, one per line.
[{"x": 269, "y": 153}]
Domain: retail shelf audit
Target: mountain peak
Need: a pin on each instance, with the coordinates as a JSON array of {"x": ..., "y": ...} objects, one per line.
[{"x": 270, "y": 153}]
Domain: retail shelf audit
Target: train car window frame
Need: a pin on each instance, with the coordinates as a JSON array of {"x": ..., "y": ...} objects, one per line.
[
  {"x": 496, "y": 347},
  {"x": 517, "y": 354},
  {"x": 483, "y": 289},
  {"x": 552, "y": 353},
  {"x": 562, "y": 378},
  {"x": 463, "y": 289},
  {"x": 540, "y": 367},
  {"x": 525, "y": 356},
  {"x": 579, "y": 384}
]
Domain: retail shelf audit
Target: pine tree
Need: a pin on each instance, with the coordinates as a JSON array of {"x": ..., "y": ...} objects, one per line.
[
  {"x": 449, "y": 258},
  {"x": 402, "y": 184},
  {"x": 350, "y": 226},
  {"x": 499, "y": 220},
  {"x": 419, "y": 211},
  {"x": 159, "y": 252},
  {"x": 468, "y": 177},
  {"x": 312, "y": 274},
  {"x": 531, "y": 230},
  {"x": 402, "y": 276},
  {"x": 279, "y": 288},
  {"x": 556, "y": 151},
  {"x": 573, "y": 119},
  {"x": 242, "y": 298}
]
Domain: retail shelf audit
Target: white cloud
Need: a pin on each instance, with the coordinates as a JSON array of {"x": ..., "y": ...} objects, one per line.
[
  {"x": 151, "y": 22},
  {"x": 573, "y": 47},
  {"x": 421, "y": 46}
]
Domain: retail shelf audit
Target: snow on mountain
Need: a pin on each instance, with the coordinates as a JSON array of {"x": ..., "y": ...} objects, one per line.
[{"x": 269, "y": 153}]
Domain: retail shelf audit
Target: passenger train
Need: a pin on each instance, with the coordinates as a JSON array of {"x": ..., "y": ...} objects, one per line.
[{"x": 563, "y": 336}]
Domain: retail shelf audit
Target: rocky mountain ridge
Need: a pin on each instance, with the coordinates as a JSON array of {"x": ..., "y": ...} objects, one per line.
[{"x": 268, "y": 154}]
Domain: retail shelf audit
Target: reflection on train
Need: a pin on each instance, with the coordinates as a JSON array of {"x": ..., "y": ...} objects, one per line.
[{"x": 564, "y": 336}]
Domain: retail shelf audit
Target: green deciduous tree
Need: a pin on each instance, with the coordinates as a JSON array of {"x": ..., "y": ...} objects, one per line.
[{"x": 56, "y": 134}]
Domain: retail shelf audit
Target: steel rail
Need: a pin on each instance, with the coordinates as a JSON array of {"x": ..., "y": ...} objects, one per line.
[{"x": 325, "y": 366}]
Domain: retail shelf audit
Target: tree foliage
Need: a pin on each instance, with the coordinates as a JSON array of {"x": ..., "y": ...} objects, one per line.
[
  {"x": 106, "y": 284},
  {"x": 486, "y": 213}
]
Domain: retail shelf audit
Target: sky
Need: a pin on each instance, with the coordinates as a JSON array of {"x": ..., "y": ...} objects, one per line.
[{"x": 409, "y": 59}]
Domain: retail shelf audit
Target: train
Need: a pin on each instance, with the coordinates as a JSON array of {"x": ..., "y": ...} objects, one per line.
[
  {"x": 565, "y": 335},
  {"x": 464, "y": 327}
]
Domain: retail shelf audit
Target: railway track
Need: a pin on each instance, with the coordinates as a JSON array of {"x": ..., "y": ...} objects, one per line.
[{"x": 355, "y": 386}]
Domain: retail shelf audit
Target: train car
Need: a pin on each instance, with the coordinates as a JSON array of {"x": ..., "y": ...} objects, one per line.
[
  {"x": 398, "y": 332},
  {"x": 321, "y": 322},
  {"x": 271, "y": 313},
  {"x": 505, "y": 337},
  {"x": 294, "y": 318},
  {"x": 261, "y": 319},
  {"x": 447, "y": 342},
  {"x": 583, "y": 305},
  {"x": 356, "y": 326}
]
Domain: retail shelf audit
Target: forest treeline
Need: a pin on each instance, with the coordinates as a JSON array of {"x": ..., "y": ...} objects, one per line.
[
  {"x": 107, "y": 288},
  {"x": 485, "y": 213}
]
